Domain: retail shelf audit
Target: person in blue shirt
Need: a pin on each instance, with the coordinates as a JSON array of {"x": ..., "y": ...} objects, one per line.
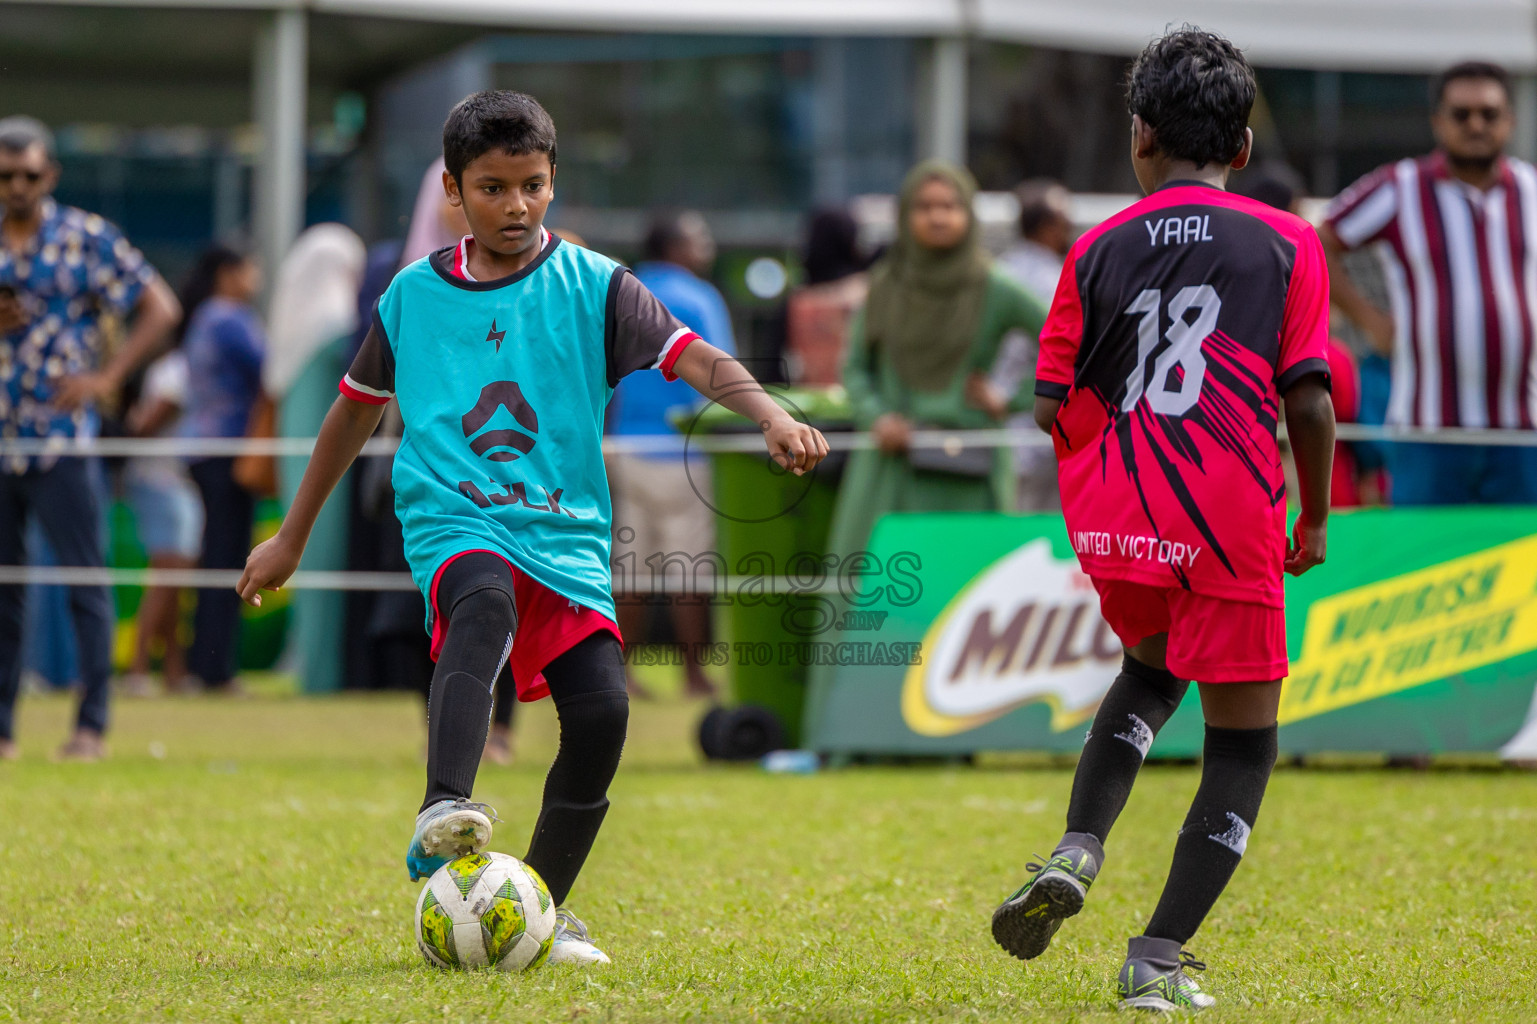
[
  {"x": 658, "y": 513},
  {"x": 225, "y": 347},
  {"x": 502, "y": 353},
  {"x": 63, "y": 272}
]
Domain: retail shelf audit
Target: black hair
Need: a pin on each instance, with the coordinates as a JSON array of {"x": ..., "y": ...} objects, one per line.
[
  {"x": 496, "y": 119},
  {"x": 1195, "y": 90},
  {"x": 1276, "y": 184},
  {"x": 19, "y": 133},
  {"x": 1468, "y": 69},
  {"x": 667, "y": 229},
  {"x": 200, "y": 282},
  {"x": 1038, "y": 203},
  {"x": 832, "y": 247}
]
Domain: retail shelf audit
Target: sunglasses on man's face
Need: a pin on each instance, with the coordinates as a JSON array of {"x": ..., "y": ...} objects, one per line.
[
  {"x": 30, "y": 177},
  {"x": 1462, "y": 115}
]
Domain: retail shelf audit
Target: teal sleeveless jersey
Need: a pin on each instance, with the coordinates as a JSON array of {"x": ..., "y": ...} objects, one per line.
[{"x": 502, "y": 388}]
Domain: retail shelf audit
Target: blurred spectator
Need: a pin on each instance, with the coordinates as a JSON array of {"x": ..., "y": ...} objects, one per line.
[
  {"x": 1279, "y": 186},
  {"x": 435, "y": 222},
  {"x": 1376, "y": 378},
  {"x": 167, "y": 512},
  {"x": 225, "y": 346},
  {"x": 61, "y": 271},
  {"x": 1451, "y": 229},
  {"x": 1045, "y": 235},
  {"x": 819, "y": 312},
  {"x": 1035, "y": 261},
  {"x": 656, "y": 511},
  {"x": 918, "y": 354}
]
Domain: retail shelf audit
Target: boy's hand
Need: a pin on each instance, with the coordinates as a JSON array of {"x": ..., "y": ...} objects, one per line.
[
  {"x": 795, "y": 446},
  {"x": 1306, "y": 548},
  {"x": 268, "y": 568}
]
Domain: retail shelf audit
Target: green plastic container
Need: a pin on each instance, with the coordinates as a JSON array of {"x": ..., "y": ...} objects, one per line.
[{"x": 770, "y": 523}]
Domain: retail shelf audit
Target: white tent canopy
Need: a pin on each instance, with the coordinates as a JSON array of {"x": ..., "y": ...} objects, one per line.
[
  {"x": 1345, "y": 35},
  {"x": 1397, "y": 35},
  {"x": 1379, "y": 35}
]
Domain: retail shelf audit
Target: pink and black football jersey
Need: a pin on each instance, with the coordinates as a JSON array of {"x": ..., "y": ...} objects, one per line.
[{"x": 1176, "y": 326}]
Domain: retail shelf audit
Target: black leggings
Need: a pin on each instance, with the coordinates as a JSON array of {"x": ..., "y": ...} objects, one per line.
[{"x": 475, "y": 594}]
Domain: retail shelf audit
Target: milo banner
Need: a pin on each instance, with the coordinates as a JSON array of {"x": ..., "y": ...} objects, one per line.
[{"x": 1419, "y": 635}]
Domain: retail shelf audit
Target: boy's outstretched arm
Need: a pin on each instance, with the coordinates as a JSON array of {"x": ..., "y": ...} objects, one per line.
[
  {"x": 347, "y": 426},
  {"x": 1310, "y": 428},
  {"x": 720, "y": 378}
]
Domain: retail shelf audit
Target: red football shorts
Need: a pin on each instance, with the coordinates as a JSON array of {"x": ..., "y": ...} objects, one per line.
[
  {"x": 548, "y": 626},
  {"x": 1211, "y": 640}
]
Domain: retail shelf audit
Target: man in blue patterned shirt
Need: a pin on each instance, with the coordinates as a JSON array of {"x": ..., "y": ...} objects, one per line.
[{"x": 61, "y": 271}]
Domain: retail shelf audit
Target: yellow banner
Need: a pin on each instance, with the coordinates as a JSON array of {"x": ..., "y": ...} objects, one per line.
[{"x": 1413, "y": 629}]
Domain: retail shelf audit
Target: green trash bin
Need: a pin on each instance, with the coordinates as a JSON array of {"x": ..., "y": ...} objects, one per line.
[{"x": 766, "y": 519}]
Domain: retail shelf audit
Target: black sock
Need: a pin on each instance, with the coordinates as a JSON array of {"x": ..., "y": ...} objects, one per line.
[
  {"x": 481, "y": 623},
  {"x": 1138, "y": 704},
  {"x": 587, "y": 684},
  {"x": 1234, "y": 773}
]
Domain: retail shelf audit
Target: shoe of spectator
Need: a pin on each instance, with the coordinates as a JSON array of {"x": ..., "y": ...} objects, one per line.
[
  {"x": 138, "y": 684},
  {"x": 84, "y": 746},
  {"x": 498, "y": 746},
  {"x": 188, "y": 685},
  {"x": 233, "y": 688},
  {"x": 8, "y": 751}
]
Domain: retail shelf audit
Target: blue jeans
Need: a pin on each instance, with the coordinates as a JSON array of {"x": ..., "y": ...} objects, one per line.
[
  {"x": 67, "y": 506},
  {"x": 229, "y": 513},
  {"x": 1462, "y": 474}
]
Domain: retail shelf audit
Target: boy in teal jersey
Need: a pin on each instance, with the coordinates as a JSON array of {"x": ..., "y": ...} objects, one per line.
[{"x": 503, "y": 353}]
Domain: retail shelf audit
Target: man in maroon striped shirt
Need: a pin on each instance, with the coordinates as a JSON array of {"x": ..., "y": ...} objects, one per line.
[{"x": 1456, "y": 232}]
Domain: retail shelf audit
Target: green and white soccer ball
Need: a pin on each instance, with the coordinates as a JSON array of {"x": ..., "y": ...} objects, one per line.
[{"x": 485, "y": 910}]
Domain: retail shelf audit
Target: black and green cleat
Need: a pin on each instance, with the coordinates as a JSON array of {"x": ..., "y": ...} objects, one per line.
[
  {"x": 1153, "y": 978},
  {"x": 1026, "y": 922}
]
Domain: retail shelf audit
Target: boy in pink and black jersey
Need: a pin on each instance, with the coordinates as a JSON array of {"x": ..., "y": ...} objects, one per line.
[{"x": 1179, "y": 328}]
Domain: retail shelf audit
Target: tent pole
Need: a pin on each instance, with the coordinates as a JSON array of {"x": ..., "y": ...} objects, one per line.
[
  {"x": 943, "y": 124},
  {"x": 280, "y": 92}
]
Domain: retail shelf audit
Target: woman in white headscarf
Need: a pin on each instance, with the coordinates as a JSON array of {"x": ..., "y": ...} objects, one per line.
[{"x": 314, "y": 312}]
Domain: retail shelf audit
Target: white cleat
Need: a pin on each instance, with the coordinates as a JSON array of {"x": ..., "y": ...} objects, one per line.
[
  {"x": 571, "y": 943},
  {"x": 447, "y": 829}
]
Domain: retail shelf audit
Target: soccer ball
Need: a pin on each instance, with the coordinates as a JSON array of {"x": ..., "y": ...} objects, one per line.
[{"x": 485, "y": 910}]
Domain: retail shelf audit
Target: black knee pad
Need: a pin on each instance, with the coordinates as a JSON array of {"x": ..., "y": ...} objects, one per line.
[
  {"x": 488, "y": 606},
  {"x": 1161, "y": 680}
]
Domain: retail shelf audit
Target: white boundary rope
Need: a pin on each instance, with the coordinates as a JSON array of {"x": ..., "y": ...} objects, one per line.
[
  {"x": 666, "y": 444},
  {"x": 220, "y": 579},
  {"x": 750, "y": 443}
]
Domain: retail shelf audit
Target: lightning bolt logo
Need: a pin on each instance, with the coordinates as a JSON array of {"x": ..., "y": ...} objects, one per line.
[{"x": 495, "y": 335}]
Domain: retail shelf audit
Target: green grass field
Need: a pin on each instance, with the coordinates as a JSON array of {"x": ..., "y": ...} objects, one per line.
[{"x": 242, "y": 861}]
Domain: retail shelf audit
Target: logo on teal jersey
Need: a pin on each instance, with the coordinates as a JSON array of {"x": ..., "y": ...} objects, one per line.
[
  {"x": 501, "y": 445},
  {"x": 495, "y": 335},
  {"x": 505, "y": 444}
]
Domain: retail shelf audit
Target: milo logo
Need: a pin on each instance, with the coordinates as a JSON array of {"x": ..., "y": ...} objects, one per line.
[{"x": 1027, "y": 629}]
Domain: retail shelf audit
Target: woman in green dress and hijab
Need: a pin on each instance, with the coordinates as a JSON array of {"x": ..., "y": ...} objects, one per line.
[{"x": 919, "y": 354}]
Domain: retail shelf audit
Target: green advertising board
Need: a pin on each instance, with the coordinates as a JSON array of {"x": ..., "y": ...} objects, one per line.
[{"x": 1419, "y": 635}]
